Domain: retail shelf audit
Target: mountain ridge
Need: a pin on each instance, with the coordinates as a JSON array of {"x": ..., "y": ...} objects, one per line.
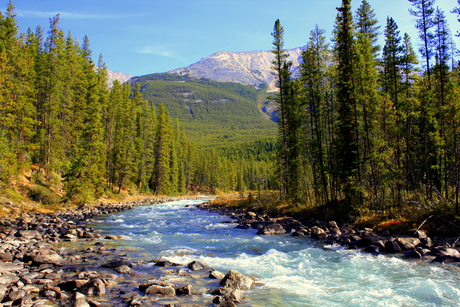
[{"x": 246, "y": 67}]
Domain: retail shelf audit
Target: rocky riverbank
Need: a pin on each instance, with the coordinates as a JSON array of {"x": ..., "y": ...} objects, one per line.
[
  {"x": 55, "y": 259},
  {"x": 414, "y": 244}
]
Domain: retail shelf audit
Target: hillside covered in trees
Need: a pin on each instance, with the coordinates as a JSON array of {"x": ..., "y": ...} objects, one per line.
[{"x": 212, "y": 112}]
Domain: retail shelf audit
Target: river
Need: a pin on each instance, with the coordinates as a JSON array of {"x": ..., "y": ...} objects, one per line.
[{"x": 295, "y": 271}]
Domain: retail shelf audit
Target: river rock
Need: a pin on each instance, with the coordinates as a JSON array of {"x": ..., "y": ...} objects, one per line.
[
  {"x": 413, "y": 254},
  {"x": 6, "y": 267},
  {"x": 184, "y": 290},
  {"x": 392, "y": 246},
  {"x": 444, "y": 251},
  {"x": 8, "y": 279},
  {"x": 72, "y": 285},
  {"x": 54, "y": 259},
  {"x": 112, "y": 237},
  {"x": 29, "y": 234},
  {"x": 196, "y": 266},
  {"x": 166, "y": 264},
  {"x": 117, "y": 263},
  {"x": 272, "y": 229},
  {"x": 446, "y": 259},
  {"x": 318, "y": 233},
  {"x": 8, "y": 256},
  {"x": 236, "y": 280},
  {"x": 426, "y": 242},
  {"x": 80, "y": 300},
  {"x": 445, "y": 254},
  {"x": 123, "y": 269},
  {"x": 3, "y": 291},
  {"x": 417, "y": 233},
  {"x": 16, "y": 295},
  {"x": 216, "y": 274},
  {"x": 373, "y": 249},
  {"x": 233, "y": 295},
  {"x": 143, "y": 287},
  {"x": 408, "y": 243},
  {"x": 95, "y": 287},
  {"x": 160, "y": 290}
]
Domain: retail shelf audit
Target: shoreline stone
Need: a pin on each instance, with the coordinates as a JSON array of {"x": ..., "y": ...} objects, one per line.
[
  {"x": 415, "y": 244},
  {"x": 36, "y": 272}
]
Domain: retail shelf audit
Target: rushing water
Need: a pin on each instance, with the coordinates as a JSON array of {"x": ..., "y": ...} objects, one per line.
[{"x": 295, "y": 271}]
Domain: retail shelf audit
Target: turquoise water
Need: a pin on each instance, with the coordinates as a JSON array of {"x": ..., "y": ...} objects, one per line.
[{"x": 295, "y": 271}]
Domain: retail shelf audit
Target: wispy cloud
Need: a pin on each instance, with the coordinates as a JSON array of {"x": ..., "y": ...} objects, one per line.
[
  {"x": 160, "y": 51},
  {"x": 71, "y": 15}
]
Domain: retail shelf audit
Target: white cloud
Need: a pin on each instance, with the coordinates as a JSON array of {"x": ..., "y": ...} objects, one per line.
[{"x": 156, "y": 51}]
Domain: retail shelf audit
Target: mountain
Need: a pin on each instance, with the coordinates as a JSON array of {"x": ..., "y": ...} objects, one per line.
[
  {"x": 213, "y": 113},
  {"x": 116, "y": 75},
  {"x": 221, "y": 99},
  {"x": 250, "y": 67}
]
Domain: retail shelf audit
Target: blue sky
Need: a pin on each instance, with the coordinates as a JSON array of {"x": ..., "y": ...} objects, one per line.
[{"x": 148, "y": 36}]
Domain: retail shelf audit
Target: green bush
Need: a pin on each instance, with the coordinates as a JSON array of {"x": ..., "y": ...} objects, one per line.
[{"x": 43, "y": 195}]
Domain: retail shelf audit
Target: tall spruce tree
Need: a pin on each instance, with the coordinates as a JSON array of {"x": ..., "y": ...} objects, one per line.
[
  {"x": 282, "y": 74},
  {"x": 367, "y": 24},
  {"x": 315, "y": 59},
  {"x": 17, "y": 112},
  {"x": 347, "y": 146},
  {"x": 160, "y": 179}
]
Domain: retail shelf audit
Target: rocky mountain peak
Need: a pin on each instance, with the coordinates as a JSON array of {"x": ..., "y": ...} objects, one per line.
[
  {"x": 116, "y": 75},
  {"x": 247, "y": 67}
]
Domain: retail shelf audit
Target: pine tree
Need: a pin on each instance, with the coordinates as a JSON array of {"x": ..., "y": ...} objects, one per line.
[
  {"x": 283, "y": 76},
  {"x": 50, "y": 94},
  {"x": 392, "y": 61},
  {"x": 315, "y": 58},
  {"x": 424, "y": 11},
  {"x": 17, "y": 112},
  {"x": 85, "y": 179},
  {"x": 347, "y": 147},
  {"x": 367, "y": 24},
  {"x": 160, "y": 179}
]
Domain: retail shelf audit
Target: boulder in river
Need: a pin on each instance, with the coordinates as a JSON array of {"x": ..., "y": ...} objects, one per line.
[
  {"x": 236, "y": 280},
  {"x": 160, "y": 290},
  {"x": 196, "y": 266},
  {"x": 272, "y": 229},
  {"x": 95, "y": 287}
]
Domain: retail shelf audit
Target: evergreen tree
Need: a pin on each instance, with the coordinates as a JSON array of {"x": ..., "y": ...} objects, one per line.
[
  {"x": 392, "y": 61},
  {"x": 49, "y": 103},
  {"x": 367, "y": 24},
  {"x": 290, "y": 167},
  {"x": 85, "y": 179},
  {"x": 347, "y": 146},
  {"x": 315, "y": 59},
  {"x": 283, "y": 76},
  {"x": 17, "y": 112},
  {"x": 160, "y": 179},
  {"x": 424, "y": 11}
]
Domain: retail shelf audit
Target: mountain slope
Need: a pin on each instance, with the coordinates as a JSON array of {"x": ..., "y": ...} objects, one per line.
[
  {"x": 211, "y": 112},
  {"x": 250, "y": 68},
  {"x": 116, "y": 75}
]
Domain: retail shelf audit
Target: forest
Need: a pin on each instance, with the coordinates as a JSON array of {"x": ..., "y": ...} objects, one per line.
[
  {"x": 366, "y": 130},
  {"x": 371, "y": 130},
  {"x": 65, "y": 137}
]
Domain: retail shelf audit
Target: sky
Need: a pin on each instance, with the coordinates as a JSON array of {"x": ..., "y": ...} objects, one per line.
[{"x": 140, "y": 37}]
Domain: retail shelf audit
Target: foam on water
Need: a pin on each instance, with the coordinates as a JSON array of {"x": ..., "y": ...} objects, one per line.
[{"x": 296, "y": 271}]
